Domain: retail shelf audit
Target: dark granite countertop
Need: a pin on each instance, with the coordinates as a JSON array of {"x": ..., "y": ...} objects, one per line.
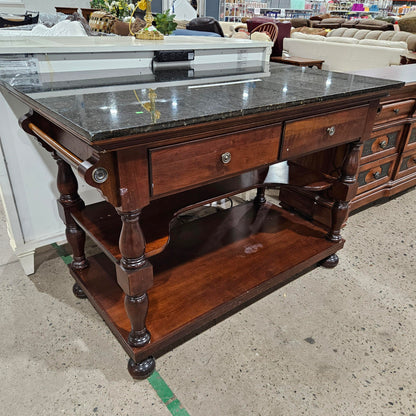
[{"x": 107, "y": 110}]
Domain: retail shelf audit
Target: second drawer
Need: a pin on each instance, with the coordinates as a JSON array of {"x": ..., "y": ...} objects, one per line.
[{"x": 306, "y": 135}]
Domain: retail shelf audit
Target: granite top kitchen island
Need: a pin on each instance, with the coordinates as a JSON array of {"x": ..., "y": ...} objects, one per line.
[{"x": 156, "y": 149}]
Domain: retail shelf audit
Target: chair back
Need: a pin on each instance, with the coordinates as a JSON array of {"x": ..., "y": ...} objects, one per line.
[{"x": 270, "y": 28}]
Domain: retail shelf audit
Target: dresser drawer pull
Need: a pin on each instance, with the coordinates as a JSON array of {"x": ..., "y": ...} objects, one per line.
[
  {"x": 414, "y": 159},
  {"x": 376, "y": 175},
  {"x": 396, "y": 110},
  {"x": 331, "y": 130},
  {"x": 226, "y": 158},
  {"x": 383, "y": 144}
]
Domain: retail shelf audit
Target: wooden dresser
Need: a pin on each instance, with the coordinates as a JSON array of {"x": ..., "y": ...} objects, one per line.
[{"x": 388, "y": 158}]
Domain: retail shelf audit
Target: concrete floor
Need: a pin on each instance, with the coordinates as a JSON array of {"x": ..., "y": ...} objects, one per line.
[{"x": 334, "y": 342}]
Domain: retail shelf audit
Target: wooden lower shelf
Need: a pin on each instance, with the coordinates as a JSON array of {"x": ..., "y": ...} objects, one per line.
[{"x": 211, "y": 267}]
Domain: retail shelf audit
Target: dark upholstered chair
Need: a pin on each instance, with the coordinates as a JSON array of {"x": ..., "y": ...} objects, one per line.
[{"x": 205, "y": 24}]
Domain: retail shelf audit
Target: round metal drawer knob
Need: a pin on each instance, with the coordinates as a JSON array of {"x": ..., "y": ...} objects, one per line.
[
  {"x": 331, "y": 130},
  {"x": 99, "y": 175},
  {"x": 383, "y": 144},
  {"x": 226, "y": 158},
  {"x": 396, "y": 111},
  {"x": 377, "y": 175}
]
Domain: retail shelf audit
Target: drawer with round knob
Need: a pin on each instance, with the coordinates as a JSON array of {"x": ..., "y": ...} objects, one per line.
[
  {"x": 393, "y": 111},
  {"x": 189, "y": 164},
  {"x": 381, "y": 144},
  {"x": 407, "y": 164},
  {"x": 303, "y": 136},
  {"x": 375, "y": 173}
]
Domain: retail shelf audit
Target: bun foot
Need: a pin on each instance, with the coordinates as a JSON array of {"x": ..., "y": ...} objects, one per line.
[
  {"x": 142, "y": 370},
  {"x": 78, "y": 292},
  {"x": 330, "y": 262}
]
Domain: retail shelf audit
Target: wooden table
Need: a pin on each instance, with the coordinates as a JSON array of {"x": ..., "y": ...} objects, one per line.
[
  {"x": 158, "y": 280},
  {"x": 297, "y": 61}
]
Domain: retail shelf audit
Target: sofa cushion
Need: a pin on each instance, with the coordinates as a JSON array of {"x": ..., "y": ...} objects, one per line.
[
  {"x": 373, "y": 34},
  {"x": 333, "y": 20},
  {"x": 374, "y": 24},
  {"x": 298, "y": 22},
  {"x": 350, "y": 23},
  {"x": 361, "y": 34},
  {"x": 407, "y": 24},
  {"x": 349, "y": 33},
  {"x": 336, "y": 32},
  {"x": 409, "y": 38},
  {"x": 310, "y": 30},
  {"x": 300, "y": 35},
  {"x": 383, "y": 43},
  {"x": 388, "y": 35},
  {"x": 341, "y": 39}
]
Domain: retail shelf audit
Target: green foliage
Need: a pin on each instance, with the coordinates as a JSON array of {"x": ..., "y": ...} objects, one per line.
[
  {"x": 164, "y": 22},
  {"x": 98, "y": 4},
  {"x": 118, "y": 8}
]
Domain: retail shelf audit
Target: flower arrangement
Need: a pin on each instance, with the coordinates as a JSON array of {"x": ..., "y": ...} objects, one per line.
[{"x": 118, "y": 8}]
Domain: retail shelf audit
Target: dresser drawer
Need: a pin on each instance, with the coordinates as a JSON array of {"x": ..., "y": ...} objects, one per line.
[
  {"x": 375, "y": 173},
  {"x": 394, "y": 111},
  {"x": 306, "y": 135},
  {"x": 411, "y": 141},
  {"x": 381, "y": 144},
  {"x": 189, "y": 164},
  {"x": 407, "y": 164}
]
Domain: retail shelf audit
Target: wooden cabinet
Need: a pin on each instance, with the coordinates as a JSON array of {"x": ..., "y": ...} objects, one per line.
[{"x": 388, "y": 158}]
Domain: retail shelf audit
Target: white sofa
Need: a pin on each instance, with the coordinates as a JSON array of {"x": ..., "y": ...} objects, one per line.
[{"x": 345, "y": 50}]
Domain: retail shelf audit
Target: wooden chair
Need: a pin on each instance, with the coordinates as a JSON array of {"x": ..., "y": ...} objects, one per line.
[{"x": 270, "y": 28}]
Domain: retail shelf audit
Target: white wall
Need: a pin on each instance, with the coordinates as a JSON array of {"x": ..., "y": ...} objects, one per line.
[{"x": 48, "y": 6}]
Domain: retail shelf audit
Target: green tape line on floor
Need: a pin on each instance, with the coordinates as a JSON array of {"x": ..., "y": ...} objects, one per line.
[
  {"x": 166, "y": 395},
  {"x": 156, "y": 381},
  {"x": 62, "y": 253}
]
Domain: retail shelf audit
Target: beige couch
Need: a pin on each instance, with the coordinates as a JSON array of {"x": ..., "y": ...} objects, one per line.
[{"x": 352, "y": 49}]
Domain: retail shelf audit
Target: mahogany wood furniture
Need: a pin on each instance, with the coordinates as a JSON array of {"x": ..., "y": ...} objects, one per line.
[
  {"x": 387, "y": 157},
  {"x": 298, "y": 61},
  {"x": 158, "y": 280}
]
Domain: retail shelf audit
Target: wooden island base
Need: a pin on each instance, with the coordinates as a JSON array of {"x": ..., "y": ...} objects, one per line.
[
  {"x": 162, "y": 277},
  {"x": 202, "y": 277}
]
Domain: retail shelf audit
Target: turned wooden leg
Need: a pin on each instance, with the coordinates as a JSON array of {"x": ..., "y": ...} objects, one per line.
[
  {"x": 70, "y": 200},
  {"x": 136, "y": 308},
  {"x": 135, "y": 277},
  {"x": 260, "y": 197},
  {"x": 141, "y": 370},
  {"x": 339, "y": 216},
  {"x": 344, "y": 190}
]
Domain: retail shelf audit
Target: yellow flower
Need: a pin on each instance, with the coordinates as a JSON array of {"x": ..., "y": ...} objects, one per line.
[{"x": 142, "y": 4}]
